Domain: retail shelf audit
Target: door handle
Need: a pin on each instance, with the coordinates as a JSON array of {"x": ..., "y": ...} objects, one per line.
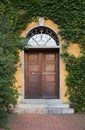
[{"x": 32, "y": 73}]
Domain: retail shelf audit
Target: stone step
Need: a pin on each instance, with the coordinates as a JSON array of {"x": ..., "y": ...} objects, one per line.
[
  {"x": 43, "y": 111},
  {"x": 42, "y": 101},
  {"x": 42, "y": 106}
]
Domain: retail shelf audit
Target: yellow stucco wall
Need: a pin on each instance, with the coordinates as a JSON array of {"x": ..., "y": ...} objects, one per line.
[
  {"x": 19, "y": 74},
  {"x": 73, "y": 49}
]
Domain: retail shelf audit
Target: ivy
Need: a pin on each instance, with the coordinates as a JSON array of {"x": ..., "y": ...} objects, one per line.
[
  {"x": 76, "y": 81},
  {"x": 70, "y": 17},
  {"x": 10, "y": 43}
]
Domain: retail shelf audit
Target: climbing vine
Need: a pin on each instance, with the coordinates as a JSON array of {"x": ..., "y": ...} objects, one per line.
[
  {"x": 70, "y": 17},
  {"x": 75, "y": 79}
]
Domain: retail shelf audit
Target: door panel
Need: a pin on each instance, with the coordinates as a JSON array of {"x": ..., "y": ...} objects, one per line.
[
  {"x": 50, "y": 75},
  {"x": 50, "y": 67},
  {"x": 33, "y": 57},
  {"x": 33, "y": 67},
  {"x": 32, "y": 84},
  {"x": 50, "y": 78},
  {"x": 49, "y": 57},
  {"x": 41, "y": 74}
]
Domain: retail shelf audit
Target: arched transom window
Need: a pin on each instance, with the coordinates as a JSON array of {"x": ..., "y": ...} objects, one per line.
[{"x": 42, "y": 37}]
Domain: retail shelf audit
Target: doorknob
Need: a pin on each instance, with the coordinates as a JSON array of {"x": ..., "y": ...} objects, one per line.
[{"x": 33, "y": 73}]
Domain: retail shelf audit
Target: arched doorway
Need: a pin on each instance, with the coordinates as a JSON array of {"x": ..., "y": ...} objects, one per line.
[{"x": 41, "y": 64}]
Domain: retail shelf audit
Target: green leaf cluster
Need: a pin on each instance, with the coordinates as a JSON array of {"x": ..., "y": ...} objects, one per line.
[
  {"x": 76, "y": 81},
  {"x": 69, "y": 15},
  {"x": 10, "y": 43}
]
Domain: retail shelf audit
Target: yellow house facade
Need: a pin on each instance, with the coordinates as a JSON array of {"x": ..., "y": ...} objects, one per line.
[{"x": 42, "y": 72}]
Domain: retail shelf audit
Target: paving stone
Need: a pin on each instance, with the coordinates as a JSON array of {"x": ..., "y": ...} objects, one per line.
[{"x": 46, "y": 122}]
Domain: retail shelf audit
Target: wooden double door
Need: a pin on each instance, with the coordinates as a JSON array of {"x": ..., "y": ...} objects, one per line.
[{"x": 41, "y": 73}]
